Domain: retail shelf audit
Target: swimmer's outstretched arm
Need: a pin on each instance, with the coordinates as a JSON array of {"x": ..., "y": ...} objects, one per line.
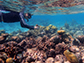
[{"x": 22, "y": 22}]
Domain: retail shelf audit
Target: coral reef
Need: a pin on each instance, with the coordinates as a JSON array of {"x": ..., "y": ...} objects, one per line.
[
  {"x": 60, "y": 48},
  {"x": 81, "y": 39},
  {"x": 11, "y": 50},
  {"x": 50, "y": 60},
  {"x": 31, "y": 55},
  {"x": 50, "y": 29},
  {"x": 3, "y": 37},
  {"x": 44, "y": 45}
]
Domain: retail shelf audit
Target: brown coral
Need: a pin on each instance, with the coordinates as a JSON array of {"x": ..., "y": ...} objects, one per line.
[{"x": 60, "y": 48}]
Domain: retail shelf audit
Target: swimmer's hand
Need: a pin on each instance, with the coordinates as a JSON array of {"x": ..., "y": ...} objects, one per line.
[{"x": 36, "y": 27}]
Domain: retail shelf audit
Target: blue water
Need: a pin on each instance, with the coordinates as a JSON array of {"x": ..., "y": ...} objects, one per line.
[{"x": 44, "y": 20}]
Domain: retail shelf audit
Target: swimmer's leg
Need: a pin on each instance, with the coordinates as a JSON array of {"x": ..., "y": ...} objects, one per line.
[{"x": 1, "y": 8}]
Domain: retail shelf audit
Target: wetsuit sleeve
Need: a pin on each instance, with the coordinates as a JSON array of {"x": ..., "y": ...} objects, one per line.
[{"x": 23, "y": 23}]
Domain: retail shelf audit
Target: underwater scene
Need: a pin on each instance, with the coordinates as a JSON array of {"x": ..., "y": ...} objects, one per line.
[{"x": 41, "y": 31}]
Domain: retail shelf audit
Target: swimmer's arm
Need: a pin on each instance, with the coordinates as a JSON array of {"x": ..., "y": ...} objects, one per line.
[{"x": 23, "y": 23}]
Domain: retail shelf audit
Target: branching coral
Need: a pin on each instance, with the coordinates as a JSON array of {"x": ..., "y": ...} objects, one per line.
[{"x": 11, "y": 49}]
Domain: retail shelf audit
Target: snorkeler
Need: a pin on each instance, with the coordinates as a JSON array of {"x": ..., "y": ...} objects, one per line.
[{"x": 9, "y": 16}]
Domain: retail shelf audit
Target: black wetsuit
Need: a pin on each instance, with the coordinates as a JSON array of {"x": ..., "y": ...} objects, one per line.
[
  {"x": 10, "y": 17},
  {"x": 14, "y": 17}
]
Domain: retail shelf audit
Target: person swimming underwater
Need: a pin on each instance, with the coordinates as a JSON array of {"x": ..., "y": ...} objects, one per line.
[{"x": 9, "y": 16}]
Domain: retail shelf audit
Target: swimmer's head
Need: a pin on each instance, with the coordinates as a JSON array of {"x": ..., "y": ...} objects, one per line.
[{"x": 27, "y": 15}]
